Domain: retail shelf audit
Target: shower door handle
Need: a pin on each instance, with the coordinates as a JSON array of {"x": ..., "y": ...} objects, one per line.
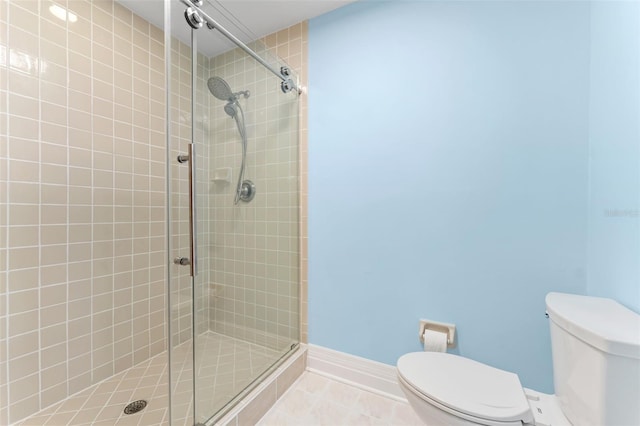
[
  {"x": 193, "y": 223},
  {"x": 193, "y": 239}
]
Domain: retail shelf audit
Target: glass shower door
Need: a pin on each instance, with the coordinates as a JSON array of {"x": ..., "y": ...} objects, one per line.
[
  {"x": 247, "y": 303},
  {"x": 242, "y": 306}
]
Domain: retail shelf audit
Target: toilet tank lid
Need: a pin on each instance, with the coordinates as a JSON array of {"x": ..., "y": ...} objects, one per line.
[{"x": 600, "y": 322}]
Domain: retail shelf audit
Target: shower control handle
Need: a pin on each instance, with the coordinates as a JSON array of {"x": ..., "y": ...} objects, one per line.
[{"x": 182, "y": 261}]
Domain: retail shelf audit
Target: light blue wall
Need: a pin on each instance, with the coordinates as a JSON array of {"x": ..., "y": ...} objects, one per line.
[
  {"x": 448, "y": 161},
  {"x": 614, "y": 204}
]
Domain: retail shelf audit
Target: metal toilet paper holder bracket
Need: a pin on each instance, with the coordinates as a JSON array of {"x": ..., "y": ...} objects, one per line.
[{"x": 441, "y": 327}]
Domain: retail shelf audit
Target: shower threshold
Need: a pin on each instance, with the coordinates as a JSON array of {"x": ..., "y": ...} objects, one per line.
[{"x": 229, "y": 360}]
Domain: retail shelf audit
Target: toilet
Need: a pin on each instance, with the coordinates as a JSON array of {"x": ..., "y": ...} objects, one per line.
[{"x": 595, "y": 345}]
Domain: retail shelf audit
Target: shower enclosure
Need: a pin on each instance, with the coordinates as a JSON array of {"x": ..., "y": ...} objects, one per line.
[
  {"x": 233, "y": 155},
  {"x": 149, "y": 212}
]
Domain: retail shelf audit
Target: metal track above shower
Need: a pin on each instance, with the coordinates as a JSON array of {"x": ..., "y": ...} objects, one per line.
[{"x": 196, "y": 18}]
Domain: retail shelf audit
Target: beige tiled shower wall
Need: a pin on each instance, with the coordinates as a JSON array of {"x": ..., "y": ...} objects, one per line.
[
  {"x": 82, "y": 196},
  {"x": 181, "y": 287},
  {"x": 254, "y": 281},
  {"x": 202, "y": 134},
  {"x": 82, "y": 178},
  {"x": 3, "y": 214},
  {"x": 291, "y": 44},
  {"x": 257, "y": 269}
]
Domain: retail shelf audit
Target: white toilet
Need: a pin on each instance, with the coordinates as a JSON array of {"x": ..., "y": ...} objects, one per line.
[{"x": 596, "y": 370}]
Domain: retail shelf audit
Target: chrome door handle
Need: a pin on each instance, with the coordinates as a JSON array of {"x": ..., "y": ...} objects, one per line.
[
  {"x": 193, "y": 223},
  {"x": 193, "y": 250}
]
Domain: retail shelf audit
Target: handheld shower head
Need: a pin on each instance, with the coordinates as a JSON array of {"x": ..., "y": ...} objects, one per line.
[
  {"x": 231, "y": 109},
  {"x": 245, "y": 190}
]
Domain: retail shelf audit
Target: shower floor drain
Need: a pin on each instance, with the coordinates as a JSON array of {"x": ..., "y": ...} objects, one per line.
[{"x": 135, "y": 406}]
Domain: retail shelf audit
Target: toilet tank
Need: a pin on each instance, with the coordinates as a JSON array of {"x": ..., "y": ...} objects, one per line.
[{"x": 595, "y": 344}]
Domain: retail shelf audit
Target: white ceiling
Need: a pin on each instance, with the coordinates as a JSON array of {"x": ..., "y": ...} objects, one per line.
[{"x": 246, "y": 19}]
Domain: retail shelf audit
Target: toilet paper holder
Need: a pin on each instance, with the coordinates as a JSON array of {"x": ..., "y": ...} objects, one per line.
[{"x": 442, "y": 327}]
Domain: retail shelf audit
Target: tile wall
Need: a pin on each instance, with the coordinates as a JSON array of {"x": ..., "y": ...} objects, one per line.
[
  {"x": 256, "y": 265},
  {"x": 83, "y": 186},
  {"x": 291, "y": 44},
  {"x": 3, "y": 214},
  {"x": 82, "y": 199},
  {"x": 181, "y": 287},
  {"x": 202, "y": 133}
]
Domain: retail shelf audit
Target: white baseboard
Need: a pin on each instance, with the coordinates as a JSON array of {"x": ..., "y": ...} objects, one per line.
[{"x": 353, "y": 370}]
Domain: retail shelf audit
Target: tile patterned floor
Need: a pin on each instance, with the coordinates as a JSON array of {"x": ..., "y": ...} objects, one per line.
[
  {"x": 317, "y": 400},
  {"x": 225, "y": 367},
  {"x": 103, "y": 404},
  {"x": 312, "y": 400}
]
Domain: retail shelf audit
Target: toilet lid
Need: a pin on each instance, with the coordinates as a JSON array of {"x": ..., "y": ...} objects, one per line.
[{"x": 466, "y": 385}]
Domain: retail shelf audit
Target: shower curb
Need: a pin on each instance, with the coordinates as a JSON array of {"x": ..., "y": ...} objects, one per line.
[{"x": 256, "y": 404}]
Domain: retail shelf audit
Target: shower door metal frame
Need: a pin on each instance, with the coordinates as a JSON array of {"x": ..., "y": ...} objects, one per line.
[{"x": 287, "y": 84}]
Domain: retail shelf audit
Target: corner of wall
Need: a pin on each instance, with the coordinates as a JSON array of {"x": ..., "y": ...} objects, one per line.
[{"x": 613, "y": 234}]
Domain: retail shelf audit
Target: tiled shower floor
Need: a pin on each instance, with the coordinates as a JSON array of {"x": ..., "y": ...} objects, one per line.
[{"x": 226, "y": 367}]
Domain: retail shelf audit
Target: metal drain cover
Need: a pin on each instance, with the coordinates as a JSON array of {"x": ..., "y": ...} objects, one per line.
[{"x": 135, "y": 406}]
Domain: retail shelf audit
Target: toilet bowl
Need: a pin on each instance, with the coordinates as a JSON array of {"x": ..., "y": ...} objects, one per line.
[{"x": 595, "y": 347}]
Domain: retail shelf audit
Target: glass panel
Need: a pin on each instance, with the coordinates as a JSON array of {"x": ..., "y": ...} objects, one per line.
[
  {"x": 180, "y": 285},
  {"x": 240, "y": 314},
  {"x": 246, "y": 292}
]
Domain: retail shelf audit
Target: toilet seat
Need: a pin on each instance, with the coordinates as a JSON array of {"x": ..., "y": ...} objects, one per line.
[{"x": 466, "y": 388}]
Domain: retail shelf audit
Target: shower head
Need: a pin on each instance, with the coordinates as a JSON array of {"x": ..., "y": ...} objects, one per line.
[
  {"x": 230, "y": 109},
  {"x": 220, "y": 89}
]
